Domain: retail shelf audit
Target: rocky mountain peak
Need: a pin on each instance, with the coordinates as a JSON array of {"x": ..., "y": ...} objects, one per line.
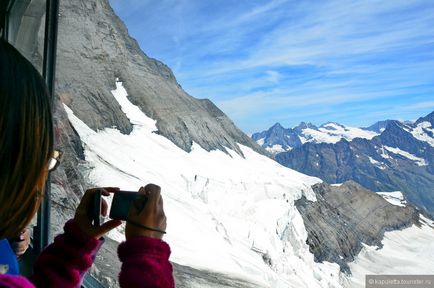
[
  {"x": 94, "y": 49},
  {"x": 277, "y": 126},
  {"x": 428, "y": 118},
  {"x": 401, "y": 158},
  {"x": 379, "y": 126},
  {"x": 304, "y": 125}
]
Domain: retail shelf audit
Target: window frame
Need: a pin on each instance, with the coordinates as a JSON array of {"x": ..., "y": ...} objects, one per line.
[{"x": 41, "y": 232}]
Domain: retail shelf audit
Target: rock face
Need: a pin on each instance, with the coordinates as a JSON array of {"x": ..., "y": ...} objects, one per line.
[
  {"x": 379, "y": 127},
  {"x": 401, "y": 158},
  {"x": 94, "y": 49},
  {"x": 108, "y": 265},
  {"x": 277, "y": 135},
  {"x": 67, "y": 181},
  {"x": 344, "y": 217},
  {"x": 428, "y": 118}
]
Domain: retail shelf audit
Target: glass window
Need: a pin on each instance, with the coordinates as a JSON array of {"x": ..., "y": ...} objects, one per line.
[{"x": 26, "y": 29}]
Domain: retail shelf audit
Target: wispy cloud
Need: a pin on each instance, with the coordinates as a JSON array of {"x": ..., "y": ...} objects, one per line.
[{"x": 260, "y": 60}]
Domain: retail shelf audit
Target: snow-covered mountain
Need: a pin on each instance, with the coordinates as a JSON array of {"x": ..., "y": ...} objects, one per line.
[
  {"x": 279, "y": 139},
  {"x": 234, "y": 216},
  {"x": 225, "y": 213},
  {"x": 400, "y": 158}
]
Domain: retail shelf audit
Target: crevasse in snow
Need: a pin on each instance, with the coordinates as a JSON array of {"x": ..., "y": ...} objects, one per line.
[{"x": 226, "y": 213}]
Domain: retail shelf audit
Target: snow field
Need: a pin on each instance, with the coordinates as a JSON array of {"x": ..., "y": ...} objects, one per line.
[
  {"x": 236, "y": 215},
  {"x": 226, "y": 213},
  {"x": 395, "y": 198},
  {"x": 421, "y": 132},
  {"x": 419, "y": 161},
  {"x": 409, "y": 252},
  {"x": 333, "y": 133}
]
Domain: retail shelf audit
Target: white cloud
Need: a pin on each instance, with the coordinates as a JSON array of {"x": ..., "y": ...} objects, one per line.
[{"x": 273, "y": 76}]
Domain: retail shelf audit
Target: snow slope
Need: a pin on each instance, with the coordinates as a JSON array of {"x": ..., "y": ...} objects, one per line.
[
  {"x": 422, "y": 131},
  {"x": 408, "y": 252},
  {"x": 278, "y": 139},
  {"x": 333, "y": 133},
  {"x": 395, "y": 198},
  {"x": 225, "y": 213},
  {"x": 419, "y": 161}
]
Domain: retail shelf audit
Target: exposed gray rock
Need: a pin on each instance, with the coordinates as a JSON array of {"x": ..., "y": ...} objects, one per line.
[
  {"x": 428, "y": 118},
  {"x": 344, "y": 217},
  {"x": 95, "y": 48},
  {"x": 187, "y": 277},
  {"x": 379, "y": 126},
  {"x": 68, "y": 183},
  {"x": 277, "y": 135}
]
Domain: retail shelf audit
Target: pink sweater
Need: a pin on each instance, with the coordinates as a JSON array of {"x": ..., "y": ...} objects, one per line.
[{"x": 145, "y": 262}]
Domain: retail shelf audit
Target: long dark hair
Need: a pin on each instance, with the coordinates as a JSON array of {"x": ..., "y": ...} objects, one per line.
[{"x": 26, "y": 140}]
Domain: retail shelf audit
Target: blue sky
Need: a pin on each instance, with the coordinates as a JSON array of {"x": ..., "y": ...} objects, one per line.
[{"x": 261, "y": 62}]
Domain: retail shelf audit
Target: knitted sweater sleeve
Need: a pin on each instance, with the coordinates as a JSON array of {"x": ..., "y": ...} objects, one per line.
[
  {"x": 64, "y": 262},
  {"x": 145, "y": 263}
]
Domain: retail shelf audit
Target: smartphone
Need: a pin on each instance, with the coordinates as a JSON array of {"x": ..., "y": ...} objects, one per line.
[
  {"x": 122, "y": 201},
  {"x": 95, "y": 209}
]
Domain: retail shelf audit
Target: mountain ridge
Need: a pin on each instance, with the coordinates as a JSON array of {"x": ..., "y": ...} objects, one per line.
[
  {"x": 102, "y": 51},
  {"x": 401, "y": 158},
  {"x": 278, "y": 139}
]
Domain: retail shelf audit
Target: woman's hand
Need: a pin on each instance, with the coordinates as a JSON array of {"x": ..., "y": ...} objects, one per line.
[
  {"x": 20, "y": 244},
  {"x": 84, "y": 220},
  {"x": 146, "y": 217}
]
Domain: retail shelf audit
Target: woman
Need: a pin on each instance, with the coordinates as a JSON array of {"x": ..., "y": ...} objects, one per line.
[{"x": 26, "y": 148}]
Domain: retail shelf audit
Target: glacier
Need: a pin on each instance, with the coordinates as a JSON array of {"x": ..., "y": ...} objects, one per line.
[{"x": 226, "y": 213}]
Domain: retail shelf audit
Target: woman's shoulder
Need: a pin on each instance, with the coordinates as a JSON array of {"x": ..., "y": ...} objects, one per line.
[{"x": 12, "y": 281}]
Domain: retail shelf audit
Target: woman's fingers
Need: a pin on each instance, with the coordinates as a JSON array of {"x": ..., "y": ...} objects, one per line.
[
  {"x": 150, "y": 202},
  {"x": 153, "y": 191},
  {"x": 107, "y": 226},
  {"x": 85, "y": 200},
  {"x": 160, "y": 203},
  {"x": 104, "y": 207},
  {"x": 150, "y": 220},
  {"x": 84, "y": 212},
  {"x": 107, "y": 190}
]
